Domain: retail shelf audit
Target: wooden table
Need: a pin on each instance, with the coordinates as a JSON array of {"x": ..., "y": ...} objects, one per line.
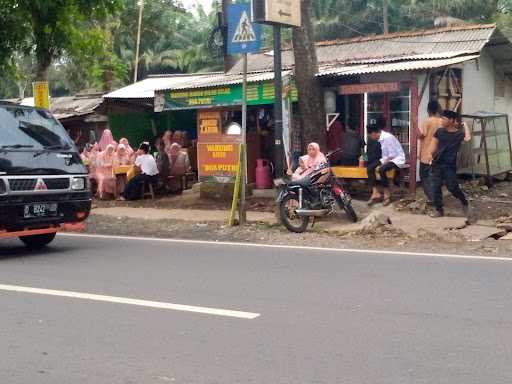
[{"x": 121, "y": 173}]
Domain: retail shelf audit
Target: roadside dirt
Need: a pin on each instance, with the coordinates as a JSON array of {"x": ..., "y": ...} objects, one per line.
[{"x": 384, "y": 238}]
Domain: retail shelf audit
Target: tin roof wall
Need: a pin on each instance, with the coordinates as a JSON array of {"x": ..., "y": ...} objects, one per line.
[
  {"x": 416, "y": 45},
  {"x": 146, "y": 88}
]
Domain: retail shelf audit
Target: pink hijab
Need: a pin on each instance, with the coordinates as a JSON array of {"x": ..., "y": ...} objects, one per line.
[
  {"x": 122, "y": 156},
  {"x": 128, "y": 148},
  {"x": 103, "y": 172},
  {"x": 308, "y": 163},
  {"x": 107, "y": 139},
  {"x": 314, "y": 160}
]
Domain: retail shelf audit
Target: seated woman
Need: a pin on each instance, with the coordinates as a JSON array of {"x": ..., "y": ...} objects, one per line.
[
  {"x": 179, "y": 165},
  {"x": 122, "y": 156},
  {"x": 148, "y": 173},
  {"x": 309, "y": 162},
  {"x": 162, "y": 163},
  {"x": 103, "y": 172},
  {"x": 129, "y": 149}
]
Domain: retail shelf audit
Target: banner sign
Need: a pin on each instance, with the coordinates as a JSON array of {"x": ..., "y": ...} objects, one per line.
[
  {"x": 244, "y": 36},
  {"x": 41, "y": 94},
  {"x": 229, "y": 95},
  {"x": 284, "y": 12},
  {"x": 218, "y": 162},
  {"x": 209, "y": 124},
  {"x": 359, "y": 89}
]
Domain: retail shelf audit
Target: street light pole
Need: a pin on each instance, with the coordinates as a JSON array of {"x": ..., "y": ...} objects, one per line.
[
  {"x": 137, "y": 51},
  {"x": 278, "y": 104}
]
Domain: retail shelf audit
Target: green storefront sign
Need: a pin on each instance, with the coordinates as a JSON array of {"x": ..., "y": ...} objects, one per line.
[{"x": 229, "y": 95}]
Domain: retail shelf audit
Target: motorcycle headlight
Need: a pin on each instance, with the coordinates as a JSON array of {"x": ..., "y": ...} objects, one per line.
[
  {"x": 3, "y": 187},
  {"x": 78, "y": 183}
]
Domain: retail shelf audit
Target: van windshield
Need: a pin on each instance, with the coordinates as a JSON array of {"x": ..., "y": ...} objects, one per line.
[{"x": 31, "y": 129}]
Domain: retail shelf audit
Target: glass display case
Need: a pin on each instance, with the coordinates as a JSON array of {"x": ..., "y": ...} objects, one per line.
[
  {"x": 489, "y": 153},
  {"x": 395, "y": 108}
]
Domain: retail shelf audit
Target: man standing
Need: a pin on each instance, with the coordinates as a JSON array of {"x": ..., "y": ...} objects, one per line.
[
  {"x": 443, "y": 158},
  {"x": 426, "y": 134},
  {"x": 393, "y": 158}
]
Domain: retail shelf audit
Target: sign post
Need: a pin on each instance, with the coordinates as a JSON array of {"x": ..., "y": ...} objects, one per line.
[
  {"x": 243, "y": 37},
  {"x": 278, "y": 13},
  {"x": 41, "y": 94}
]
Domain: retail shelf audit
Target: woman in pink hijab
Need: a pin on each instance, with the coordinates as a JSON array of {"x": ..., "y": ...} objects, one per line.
[
  {"x": 122, "y": 156},
  {"x": 127, "y": 146},
  {"x": 107, "y": 139},
  {"x": 309, "y": 162},
  {"x": 103, "y": 175}
]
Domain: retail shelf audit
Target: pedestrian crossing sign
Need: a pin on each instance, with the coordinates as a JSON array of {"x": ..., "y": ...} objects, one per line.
[{"x": 244, "y": 36}]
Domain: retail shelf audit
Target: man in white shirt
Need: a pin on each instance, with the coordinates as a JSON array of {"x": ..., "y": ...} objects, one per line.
[
  {"x": 393, "y": 157},
  {"x": 148, "y": 173}
]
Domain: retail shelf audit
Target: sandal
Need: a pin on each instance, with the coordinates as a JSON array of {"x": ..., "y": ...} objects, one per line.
[
  {"x": 374, "y": 201},
  {"x": 387, "y": 202}
]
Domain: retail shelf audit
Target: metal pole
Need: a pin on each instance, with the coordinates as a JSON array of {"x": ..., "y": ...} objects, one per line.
[
  {"x": 278, "y": 105},
  {"x": 385, "y": 9},
  {"x": 243, "y": 164},
  {"x": 137, "y": 51}
]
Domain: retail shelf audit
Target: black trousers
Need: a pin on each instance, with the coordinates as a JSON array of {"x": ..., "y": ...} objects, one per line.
[
  {"x": 133, "y": 190},
  {"x": 372, "y": 179},
  {"x": 443, "y": 174},
  {"x": 384, "y": 169},
  {"x": 426, "y": 180}
]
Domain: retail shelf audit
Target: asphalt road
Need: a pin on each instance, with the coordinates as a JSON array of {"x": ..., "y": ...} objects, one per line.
[{"x": 324, "y": 317}]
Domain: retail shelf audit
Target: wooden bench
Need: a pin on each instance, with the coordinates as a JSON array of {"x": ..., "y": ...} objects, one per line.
[{"x": 358, "y": 173}]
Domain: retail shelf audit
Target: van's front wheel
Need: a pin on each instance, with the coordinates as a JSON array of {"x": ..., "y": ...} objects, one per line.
[{"x": 38, "y": 241}]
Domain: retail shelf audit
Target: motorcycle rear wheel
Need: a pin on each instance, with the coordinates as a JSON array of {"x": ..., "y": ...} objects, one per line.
[{"x": 289, "y": 218}]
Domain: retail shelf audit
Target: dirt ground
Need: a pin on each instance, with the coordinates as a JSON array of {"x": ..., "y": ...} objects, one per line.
[{"x": 490, "y": 205}]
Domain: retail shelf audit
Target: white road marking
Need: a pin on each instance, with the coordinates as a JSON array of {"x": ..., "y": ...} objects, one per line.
[
  {"x": 127, "y": 301},
  {"x": 295, "y": 247}
]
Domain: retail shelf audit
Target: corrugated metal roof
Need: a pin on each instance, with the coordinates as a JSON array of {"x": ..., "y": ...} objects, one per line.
[
  {"x": 350, "y": 70},
  {"x": 433, "y": 44},
  {"x": 145, "y": 89},
  {"x": 70, "y": 106},
  {"x": 225, "y": 79}
]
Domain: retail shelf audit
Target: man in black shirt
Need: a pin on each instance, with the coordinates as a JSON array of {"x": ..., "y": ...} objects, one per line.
[{"x": 444, "y": 150}]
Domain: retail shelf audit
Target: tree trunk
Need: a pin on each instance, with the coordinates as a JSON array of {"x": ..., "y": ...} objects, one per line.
[
  {"x": 42, "y": 71},
  {"x": 311, "y": 99}
]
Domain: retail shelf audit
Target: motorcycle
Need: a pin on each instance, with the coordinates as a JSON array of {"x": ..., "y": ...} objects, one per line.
[{"x": 315, "y": 196}]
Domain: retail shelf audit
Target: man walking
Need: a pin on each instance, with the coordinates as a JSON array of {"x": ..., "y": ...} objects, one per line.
[
  {"x": 426, "y": 134},
  {"x": 443, "y": 158}
]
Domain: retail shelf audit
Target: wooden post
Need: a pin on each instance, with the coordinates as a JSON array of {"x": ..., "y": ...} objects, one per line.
[{"x": 414, "y": 134}]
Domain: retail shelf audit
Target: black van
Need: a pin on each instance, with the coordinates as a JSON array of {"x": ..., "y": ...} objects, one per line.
[{"x": 44, "y": 186}]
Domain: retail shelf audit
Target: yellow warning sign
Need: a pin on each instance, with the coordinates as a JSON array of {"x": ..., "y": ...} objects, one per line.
[{"x": 41, "y": 94}]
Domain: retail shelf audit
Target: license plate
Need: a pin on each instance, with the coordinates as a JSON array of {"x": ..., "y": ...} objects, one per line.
[{"x": 40, "y": 210}]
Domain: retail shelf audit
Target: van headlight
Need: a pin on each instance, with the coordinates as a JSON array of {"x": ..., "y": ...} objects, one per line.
[
  {"x": 78, "y": 183},
  {"x": 3, "y": 187}
]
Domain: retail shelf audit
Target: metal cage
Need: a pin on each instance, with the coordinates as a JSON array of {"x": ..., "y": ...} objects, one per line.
[{"x": 489, "y": 153}]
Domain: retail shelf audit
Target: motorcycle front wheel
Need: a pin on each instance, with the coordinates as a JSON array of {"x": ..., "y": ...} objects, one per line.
[
  {"x": 289, "y": 217},
  {"x": 349, "y": 210}
]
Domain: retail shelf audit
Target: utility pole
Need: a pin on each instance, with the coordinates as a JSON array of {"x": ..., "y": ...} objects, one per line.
[
  {"x": 385, "y": 9},
  {"x": 137, "y": 51},
  {"x": 229, "y": 60},
  {"x": 278, "y": 104}
]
